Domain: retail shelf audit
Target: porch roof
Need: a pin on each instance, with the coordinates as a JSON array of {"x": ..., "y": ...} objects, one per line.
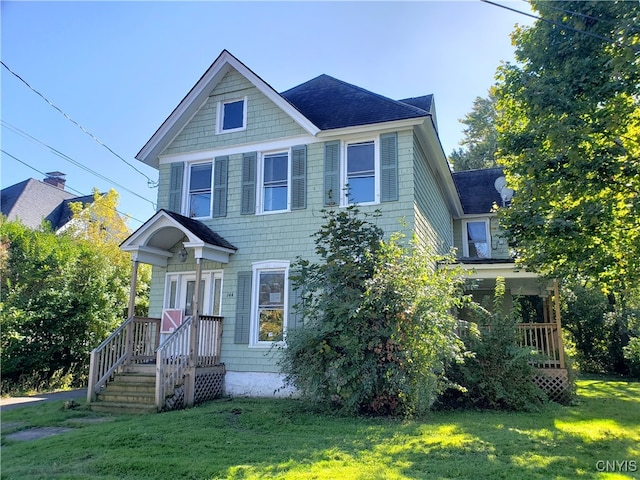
[
  {"x": 518, "y": 280},
  {"x": 154, "y": 240}
]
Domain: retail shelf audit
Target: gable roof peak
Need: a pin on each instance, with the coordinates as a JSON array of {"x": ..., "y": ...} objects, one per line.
[{"x": 198, "y": 94}]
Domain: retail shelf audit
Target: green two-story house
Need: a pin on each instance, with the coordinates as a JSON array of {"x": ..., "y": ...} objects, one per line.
[{"x": 245, "y": 173}]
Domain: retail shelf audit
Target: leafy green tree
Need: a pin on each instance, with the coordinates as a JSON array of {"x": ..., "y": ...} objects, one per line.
[
  {"x": 569, "y": 128},
  {"x": 60, "y": 296},
  {"x": 480, "y": 142},
  {"x": 378, "y": 326}
]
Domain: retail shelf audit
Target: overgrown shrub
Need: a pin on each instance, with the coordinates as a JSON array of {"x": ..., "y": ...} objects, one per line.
[
  {"x": 378, "y": 327},
  {"x": 495, "y": 373}
]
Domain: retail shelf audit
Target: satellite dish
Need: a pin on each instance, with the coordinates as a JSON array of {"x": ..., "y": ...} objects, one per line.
[{"x": 506, "y": 193}]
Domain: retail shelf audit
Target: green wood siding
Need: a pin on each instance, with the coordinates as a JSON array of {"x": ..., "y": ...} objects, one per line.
[
  {"x": 433, "y": 222},
  {"x": 265, "y": 120}
]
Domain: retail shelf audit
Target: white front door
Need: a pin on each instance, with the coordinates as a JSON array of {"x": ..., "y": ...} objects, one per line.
[{"x": 180, "y": 292}]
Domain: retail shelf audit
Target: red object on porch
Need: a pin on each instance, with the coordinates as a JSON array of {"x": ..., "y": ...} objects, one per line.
[{"x": 171, "y": 319}]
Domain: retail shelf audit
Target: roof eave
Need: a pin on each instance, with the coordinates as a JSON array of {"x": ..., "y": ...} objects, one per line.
[
  {"x": 441, "y": 167},
  {"x": 372, "y": 127}
]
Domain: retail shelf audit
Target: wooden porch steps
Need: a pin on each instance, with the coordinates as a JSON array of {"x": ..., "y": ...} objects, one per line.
[{"x": 131, "y": 391}]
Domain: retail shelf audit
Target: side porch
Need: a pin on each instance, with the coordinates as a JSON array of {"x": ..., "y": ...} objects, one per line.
[{"x": 541, "y": 330}]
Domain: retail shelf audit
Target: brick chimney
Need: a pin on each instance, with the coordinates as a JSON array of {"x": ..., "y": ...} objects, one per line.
[{"x": 57, "y": 179}]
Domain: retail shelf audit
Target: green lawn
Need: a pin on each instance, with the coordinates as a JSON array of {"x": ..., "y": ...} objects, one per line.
[{"x": 248, "y": 439}]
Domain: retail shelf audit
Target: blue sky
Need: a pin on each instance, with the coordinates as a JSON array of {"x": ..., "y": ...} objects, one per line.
[{"x": 119, "y": 69}]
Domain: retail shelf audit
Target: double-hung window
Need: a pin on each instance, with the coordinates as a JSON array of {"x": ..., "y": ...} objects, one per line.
[
  {"x": 275, "y": 182},
  {"x": 360, "y": 175},
  {"x": 232, "y": 115},
  {"x": 200, "y": 190},
  {"x": 270, "y": 297},
  {"x": 476, "y": 239}
]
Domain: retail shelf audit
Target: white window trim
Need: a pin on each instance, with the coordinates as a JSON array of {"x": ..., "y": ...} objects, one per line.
[
  {"x": 344, "y": 197},
  {"x": 260, "y": 183},
  {"x": 187, "y": 191},
  {"x": 257, "y": 267},
  {"x": 220, "y": 115},
  {"x": 465, "y": 236}
]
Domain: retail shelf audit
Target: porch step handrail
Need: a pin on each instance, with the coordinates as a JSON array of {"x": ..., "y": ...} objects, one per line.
[
  {"x": 106, "y": 358},
  {"x": 172, "y": 360},
  {"x": 133, "y": 341}
]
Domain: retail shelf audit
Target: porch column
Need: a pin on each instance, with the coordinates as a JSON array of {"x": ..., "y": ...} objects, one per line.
[
  {"x": 194, "y": 338},
  {"x": 132, "y": 305},
  {"x": 556, "y": 299},
  {"x": 134, "y": 284}
]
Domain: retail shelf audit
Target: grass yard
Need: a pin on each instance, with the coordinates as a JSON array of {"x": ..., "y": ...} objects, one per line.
[{"x": 251, "y": 439}]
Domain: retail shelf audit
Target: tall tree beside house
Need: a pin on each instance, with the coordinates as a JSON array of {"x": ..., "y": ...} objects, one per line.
[
  {"x": 101, "y": 224},
  {"x": 61, "y": 295},
  {"x": 378, "y": 328},
  {"x": 480, "y": 142},
  {"x": 569, "y": 132},
  {"x": 570, "y": 141}
]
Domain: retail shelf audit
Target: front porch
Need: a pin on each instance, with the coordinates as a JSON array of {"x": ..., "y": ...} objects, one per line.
[
  {"x": 132, "y": 371},
  {"x": 153, "y": 364}
]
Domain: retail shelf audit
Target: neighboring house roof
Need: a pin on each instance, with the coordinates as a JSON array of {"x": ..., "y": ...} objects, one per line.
[
  {"x": 331, "y": 103},
  {"x": 32, "y": 201},
  {"x": 477, "y": 190}
]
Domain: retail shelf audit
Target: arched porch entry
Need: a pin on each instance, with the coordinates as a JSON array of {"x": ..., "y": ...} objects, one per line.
[{"x": 193, "y": 347}]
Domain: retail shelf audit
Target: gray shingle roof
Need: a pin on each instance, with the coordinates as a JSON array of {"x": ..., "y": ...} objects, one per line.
[
  {"x": 477, "y": 191},
  {"x": 331, "y": 103},
  {"x": 32, "y": 201},
  {"x": 200, "y": 230}
]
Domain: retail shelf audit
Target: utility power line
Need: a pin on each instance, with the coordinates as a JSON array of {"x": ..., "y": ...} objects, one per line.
[
  {"x": 564, "y": 25},
  {"x": 66, "y": 186},
  {"x": 24, "y": 134},
  {"x": 151, "y": 183}
]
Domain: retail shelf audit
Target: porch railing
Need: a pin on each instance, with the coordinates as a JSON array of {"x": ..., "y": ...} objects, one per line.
[
  {"x": 210, "y": 340},
  {"x": 133, "y": 341},
  {"x": 172, "y": 357},
  {"x": 172, "y": 361},
  {"x": 544, "y": 338}
]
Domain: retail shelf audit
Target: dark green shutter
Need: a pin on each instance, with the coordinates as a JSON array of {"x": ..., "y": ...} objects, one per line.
[
  {"x": 299, "y": 177},
  {"x": 331, "y": 173},
  {"x": 220, "y": 170},
  {"x": 249, "y": 166},
  {"x": 175, "y": 187},
  {"x": 389, "y": 167},
  {"x": 295, "y": 319},
  {"x": 243, "y": 308}
]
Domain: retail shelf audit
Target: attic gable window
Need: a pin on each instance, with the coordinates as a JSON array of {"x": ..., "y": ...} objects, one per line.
[{"x": 232, "y": 115}]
